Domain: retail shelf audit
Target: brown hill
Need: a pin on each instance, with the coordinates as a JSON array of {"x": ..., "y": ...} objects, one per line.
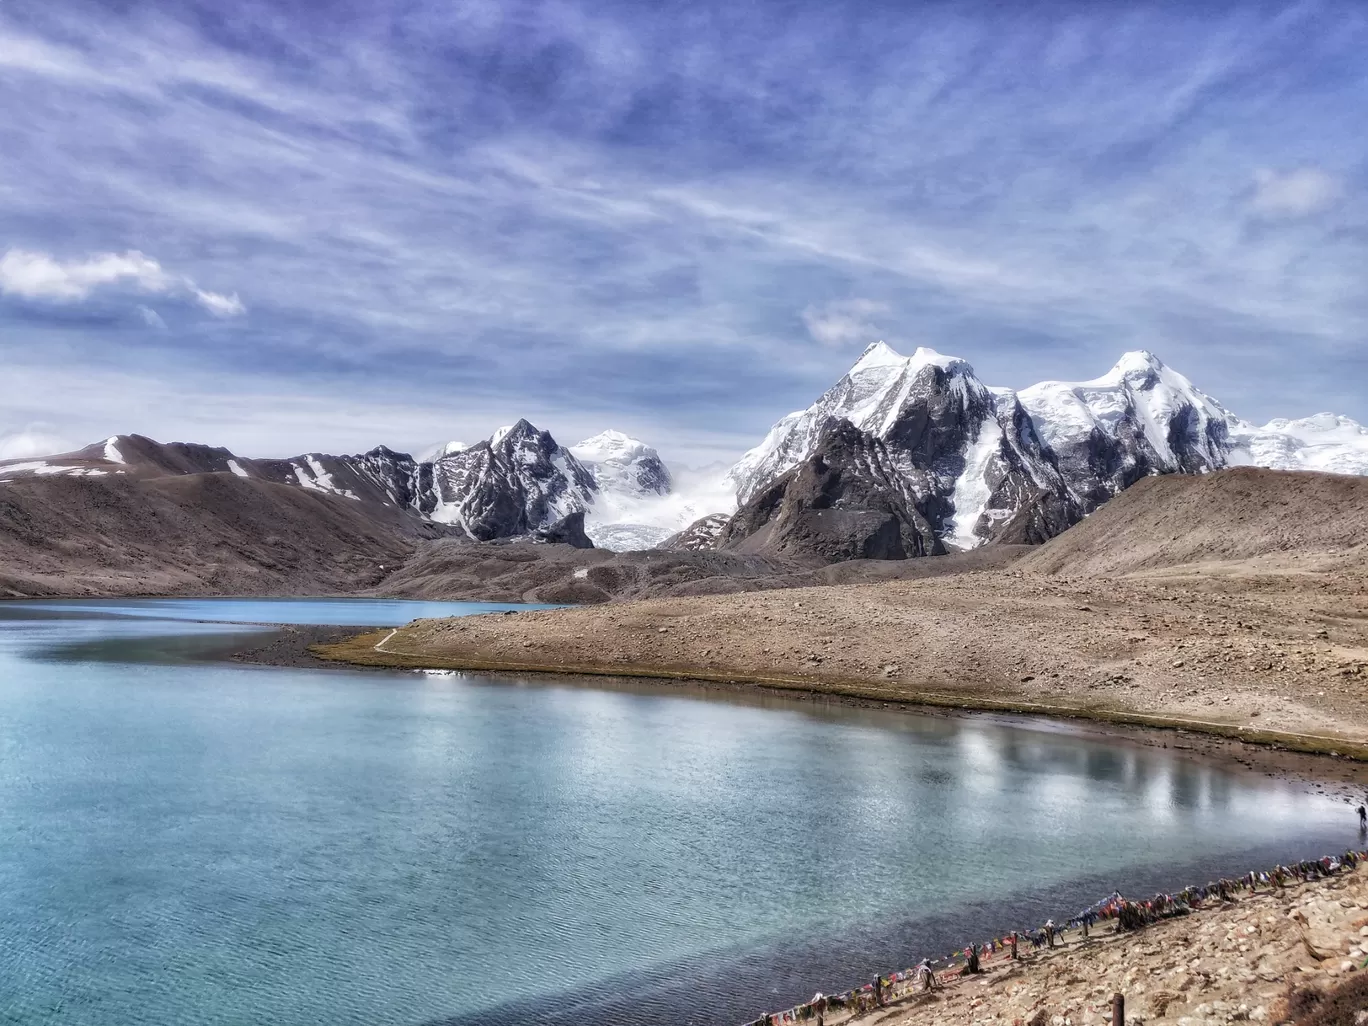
[
  {"x": 1273, "y": 518},
  {"x": 192, "y": 534}
]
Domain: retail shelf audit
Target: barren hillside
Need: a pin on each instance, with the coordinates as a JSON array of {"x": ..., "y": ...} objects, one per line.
[
  {"x": 197, "y": 534},
  {"x": 1240, "y": 514}
]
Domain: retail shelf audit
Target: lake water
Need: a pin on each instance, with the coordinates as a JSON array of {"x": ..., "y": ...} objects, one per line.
[{"x": 185, "y": 841}]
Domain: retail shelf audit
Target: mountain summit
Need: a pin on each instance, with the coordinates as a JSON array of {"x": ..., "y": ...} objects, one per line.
[{"x": 989, "y": 463}]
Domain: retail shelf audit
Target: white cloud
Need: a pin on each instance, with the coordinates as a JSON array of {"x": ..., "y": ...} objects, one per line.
[
  {"x": 220, "y": 305},
  {"x": 842, "y": 322},
  {"x": 151, "y": 318},
  {"x": 35, "y": 439},
  {"x": 35, "y": 275},
  {"x": 1297, "y": 193},
  {"x": 39, "y": 276}
]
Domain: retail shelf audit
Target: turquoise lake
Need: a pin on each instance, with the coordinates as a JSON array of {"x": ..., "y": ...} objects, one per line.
[{"x": 184, "y": 840}]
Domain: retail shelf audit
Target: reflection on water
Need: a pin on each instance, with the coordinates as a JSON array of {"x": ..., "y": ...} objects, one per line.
[{"x": 219, "y": 843}]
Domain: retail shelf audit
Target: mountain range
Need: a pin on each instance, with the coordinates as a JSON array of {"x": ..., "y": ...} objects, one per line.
[{"x": 903, "y": 456}]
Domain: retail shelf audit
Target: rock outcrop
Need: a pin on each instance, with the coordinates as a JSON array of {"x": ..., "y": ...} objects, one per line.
[{"x": 845, "y": 501}]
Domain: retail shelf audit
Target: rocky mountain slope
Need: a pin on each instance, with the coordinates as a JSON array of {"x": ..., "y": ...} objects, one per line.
[
  {"x": 990, "y": 464},
  {"x": 848, "y": 500},
  {"x": 952, "y": 462}
]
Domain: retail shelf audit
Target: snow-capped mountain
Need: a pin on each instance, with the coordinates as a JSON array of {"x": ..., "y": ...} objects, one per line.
[
  {"x": 971, "y": 463},
  {"x": 1138, "y": 419},
  {"x": 623, "y": 465},
  {"x": 520, "y": 481},
  {"x": 976, "y": 457},
  {"x": 970, "y": 453},
  {"x": 639, "y": 502},
  {"x": 1325, "y": 442},
  {"x": 850, "y": 499},
  {"x": 436, "y": 452}
]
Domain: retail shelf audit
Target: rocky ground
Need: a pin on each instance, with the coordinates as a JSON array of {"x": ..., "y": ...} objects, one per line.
[{"x": 1236, "y": 963}]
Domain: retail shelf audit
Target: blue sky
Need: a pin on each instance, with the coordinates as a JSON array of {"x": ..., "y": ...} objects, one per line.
[{"x": 295, "y": 226}]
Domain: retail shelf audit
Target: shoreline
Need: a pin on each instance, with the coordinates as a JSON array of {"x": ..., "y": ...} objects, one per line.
[
  {"x": 1342, "y": 777},
  {"x": 1238, "y": 960},
  {"x": 1278, "y": 660}
]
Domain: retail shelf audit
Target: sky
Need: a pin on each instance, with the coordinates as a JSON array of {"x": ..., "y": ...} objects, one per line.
[{"x": 294, "y": 226}]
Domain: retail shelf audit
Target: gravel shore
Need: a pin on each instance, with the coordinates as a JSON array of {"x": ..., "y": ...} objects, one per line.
[{"x": 1238, "y": 962}]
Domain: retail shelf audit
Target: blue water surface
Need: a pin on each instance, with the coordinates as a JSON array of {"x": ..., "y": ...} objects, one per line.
[{"x": 214, "y": 843}]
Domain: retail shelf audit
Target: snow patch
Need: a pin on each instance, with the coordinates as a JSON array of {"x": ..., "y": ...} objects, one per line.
[
  {"x": 321, "y": 480},
  {"x": 32, "y": 466},
  {"x": 111, "y": 450},
  {"x": 971, "y": 494},
  {"x": 236, "y": 468}
]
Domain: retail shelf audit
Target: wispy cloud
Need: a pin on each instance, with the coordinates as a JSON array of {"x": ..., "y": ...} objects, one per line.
[
  {"x": 844, "y": 322},
  {"x": 151, "y": 318},
  {"x": 33, "y": 439},
  {"x": 41, "y": 276},
  {"x": 218, "y": 304},
  {"x": 1296, "y": 193}
]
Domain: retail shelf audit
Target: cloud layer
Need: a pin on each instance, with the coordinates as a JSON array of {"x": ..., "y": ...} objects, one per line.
[{"x": 682, "y": 220}]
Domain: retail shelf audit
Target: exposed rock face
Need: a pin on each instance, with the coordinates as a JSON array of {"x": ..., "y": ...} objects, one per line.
[
  {"x": 568, "y": 530},
  {"x": 845, "y": 501},
  {"x": 968, "y": 456},
  {"x": 701, "y": 535},
  {"x": 517, "y": 482}
]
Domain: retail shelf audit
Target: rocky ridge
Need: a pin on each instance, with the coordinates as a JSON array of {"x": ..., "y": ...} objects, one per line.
[
  {"x": 847, "y": 500},
  {"x": 958, "y": 463},
  {"x": 990, "y": 464}
]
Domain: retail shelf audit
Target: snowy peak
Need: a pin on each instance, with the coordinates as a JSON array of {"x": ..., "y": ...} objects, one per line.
[
  {"x": 1140, "y": 418},
  {"x": 880, "y": 355},
  {"x": 1139, "y": 363},
  {"x": 612, "y": 445},
  {"x": 1320, "y": 427},
  {"x": 518, "y": 481},
  {"x": 434, "y": 453},
  {"x": 639, "y": 503},
  {"x": 624, "y": 466},
  {"x": 1323, "y": 442},
  {"x": 875, "y": 395}
]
